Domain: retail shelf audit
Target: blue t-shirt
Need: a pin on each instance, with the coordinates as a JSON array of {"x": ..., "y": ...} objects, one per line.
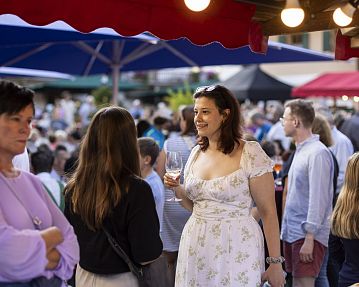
[
  {"x": 157, "y": 135},
  {"x": 158, "y": 191}
]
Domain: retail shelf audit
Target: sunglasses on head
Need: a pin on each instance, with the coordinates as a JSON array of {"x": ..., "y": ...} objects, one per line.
[{"x": 206, "y": 89}]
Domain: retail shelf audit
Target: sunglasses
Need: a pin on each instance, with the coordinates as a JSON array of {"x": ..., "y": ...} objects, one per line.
[{"x": 205, "y": 89}]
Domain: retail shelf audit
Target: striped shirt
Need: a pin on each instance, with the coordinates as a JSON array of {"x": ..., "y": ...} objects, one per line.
[{"x": 174, "y": 215}]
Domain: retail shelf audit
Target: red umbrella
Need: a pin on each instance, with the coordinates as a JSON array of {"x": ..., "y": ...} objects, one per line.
[
  {"x": 330, "y": 85},
  {"x": 225, "y": 21}
]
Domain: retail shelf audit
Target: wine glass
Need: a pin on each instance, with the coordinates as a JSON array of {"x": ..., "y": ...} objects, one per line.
[
  {"x": 173, "y": 167},
  {"x": 278, "y": 164}
]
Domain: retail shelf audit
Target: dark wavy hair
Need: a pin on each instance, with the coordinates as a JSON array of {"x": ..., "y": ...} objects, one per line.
[
  {"x": 231, "y": 128},
  {"x": 108, "y": 158}
]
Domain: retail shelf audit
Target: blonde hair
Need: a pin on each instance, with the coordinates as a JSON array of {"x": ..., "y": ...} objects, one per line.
[
  {"x": 321, "y": 127},
  {"x": 345, "y": 217},
  {"x": 108, "y": 158}
]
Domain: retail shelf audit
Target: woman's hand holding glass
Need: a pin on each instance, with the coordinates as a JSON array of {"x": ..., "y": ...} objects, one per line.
[
  {"x": 274, "y": 275},
  {"x": 173, "y": 171}
]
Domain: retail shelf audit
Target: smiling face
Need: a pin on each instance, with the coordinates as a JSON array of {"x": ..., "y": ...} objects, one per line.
[
  {"x": 208, "y": 119},
  {"x": 14, "y": 131}
]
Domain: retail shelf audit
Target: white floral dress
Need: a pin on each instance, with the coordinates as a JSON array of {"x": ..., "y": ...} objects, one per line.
[{"x": 222, "y": 244}]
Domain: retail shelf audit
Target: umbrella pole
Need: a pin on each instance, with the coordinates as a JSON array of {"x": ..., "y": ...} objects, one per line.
[
  {"x": 115, "y": 80},
  {"x": 334, "y": 104}
]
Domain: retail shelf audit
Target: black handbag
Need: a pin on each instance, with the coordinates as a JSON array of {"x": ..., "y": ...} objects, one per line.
[{"x": 150, "y": 275}]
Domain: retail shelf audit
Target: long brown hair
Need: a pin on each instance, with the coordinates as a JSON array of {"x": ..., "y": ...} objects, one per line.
[
  {"x": 345, "y": 217},
  {"x": 231, "y": 128},
  {"x": 108, "y": 157},
  {"x": 321, "y": 127},
  {"x": 187, "y": 114}
]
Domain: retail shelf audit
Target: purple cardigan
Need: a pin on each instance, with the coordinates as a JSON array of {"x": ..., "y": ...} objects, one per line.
[{"x": 22, "y": 249}]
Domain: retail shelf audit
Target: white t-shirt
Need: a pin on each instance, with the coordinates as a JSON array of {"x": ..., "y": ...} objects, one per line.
[{"x": 22, "y": 161}]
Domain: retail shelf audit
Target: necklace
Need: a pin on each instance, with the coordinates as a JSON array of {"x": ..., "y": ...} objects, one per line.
[{"x": 35, "y": 219}]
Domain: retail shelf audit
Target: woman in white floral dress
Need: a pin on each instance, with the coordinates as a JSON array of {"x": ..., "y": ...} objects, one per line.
[{"x": 221, "y": 244}]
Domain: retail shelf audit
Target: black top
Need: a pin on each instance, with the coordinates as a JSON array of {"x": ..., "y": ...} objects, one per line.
[
  {"x": 349, "y": 274},
  {"x": 133, "y": 223}
]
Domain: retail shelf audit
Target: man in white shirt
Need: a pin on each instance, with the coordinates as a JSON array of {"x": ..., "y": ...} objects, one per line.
[
  {"x": 342, "y": 147},
  {"x": 22, "y": 161},
  {"x": 41, "y": 162},
  {"x": 276, "y": 132},
  {"x": 305, "y": 224},
  {"x": 61, "y": 156}
]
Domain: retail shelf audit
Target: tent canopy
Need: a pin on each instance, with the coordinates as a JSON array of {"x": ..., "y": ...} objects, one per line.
[
  {"x": 253, "y": 84},
  {"x": 232, "y": 23},
  {"x": 20, "y": 72},
  {"x": 226, "y": 21},
  {"x": 330, "y": 85},
  {"x": 58, "y": 47}
]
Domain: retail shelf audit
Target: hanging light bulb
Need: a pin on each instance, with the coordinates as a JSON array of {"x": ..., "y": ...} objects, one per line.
[
  {"x": 197, "y": 5},
  {"x": 292, "y": 15},
  {"x": 343, "y": 16}
]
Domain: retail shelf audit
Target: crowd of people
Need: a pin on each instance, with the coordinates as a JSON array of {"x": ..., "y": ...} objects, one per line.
[{"x": 266, "y": 195}]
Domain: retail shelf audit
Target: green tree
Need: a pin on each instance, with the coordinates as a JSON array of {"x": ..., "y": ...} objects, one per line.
[
  {"x": 102, "y": 96},
  {"x": 182, "y": 96}
]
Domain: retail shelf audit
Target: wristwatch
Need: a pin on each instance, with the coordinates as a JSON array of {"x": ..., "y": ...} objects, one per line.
[{"x": 275, "y": 260}]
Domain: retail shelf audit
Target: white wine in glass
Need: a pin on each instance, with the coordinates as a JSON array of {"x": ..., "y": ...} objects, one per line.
[{"x": 174, "y": 167}]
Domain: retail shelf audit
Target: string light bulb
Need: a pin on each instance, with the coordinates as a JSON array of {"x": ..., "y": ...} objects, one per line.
[
  {"x": 197, "y": 5},
  {"x": 292, "y": 15},
  {"x": 343, "y": 16}
]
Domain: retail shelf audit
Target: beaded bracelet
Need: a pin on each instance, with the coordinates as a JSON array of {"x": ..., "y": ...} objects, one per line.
[{"x": 275, "y": 260}]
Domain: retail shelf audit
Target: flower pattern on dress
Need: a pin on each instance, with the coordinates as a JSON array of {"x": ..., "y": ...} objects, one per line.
[
  {"x": 211, "y": 273},
  {"x": 241, "y": 257},
  {"x": 242, "y": 278},
  {"x": 221, "y": 244},
  {"x": 219, "y": 251}
]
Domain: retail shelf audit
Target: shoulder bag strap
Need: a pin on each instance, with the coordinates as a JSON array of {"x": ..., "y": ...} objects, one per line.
[{"x": 137, "y": 271}]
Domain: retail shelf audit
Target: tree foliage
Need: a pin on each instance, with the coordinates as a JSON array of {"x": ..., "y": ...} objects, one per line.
[
  {"x": 180, "y": 97},
  {"x": 102, "y": 96}
]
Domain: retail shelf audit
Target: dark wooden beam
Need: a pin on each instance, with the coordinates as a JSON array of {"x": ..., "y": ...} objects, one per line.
[
  {"x": 354, "y": 43},
  {"x": 351, "y": 32},
  {"x": 314, "y": 22},
  {"x": 268, "y": 4},
  {"x": 269, "y": 9},
  {"x": 316, "y": 6}
]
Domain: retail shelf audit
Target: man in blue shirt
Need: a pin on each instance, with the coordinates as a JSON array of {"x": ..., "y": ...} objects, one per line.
[
  {"x": 262, "y": 124},
  {"x": 350, "y": 127},
  {"x": 305, "y": 225}
]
